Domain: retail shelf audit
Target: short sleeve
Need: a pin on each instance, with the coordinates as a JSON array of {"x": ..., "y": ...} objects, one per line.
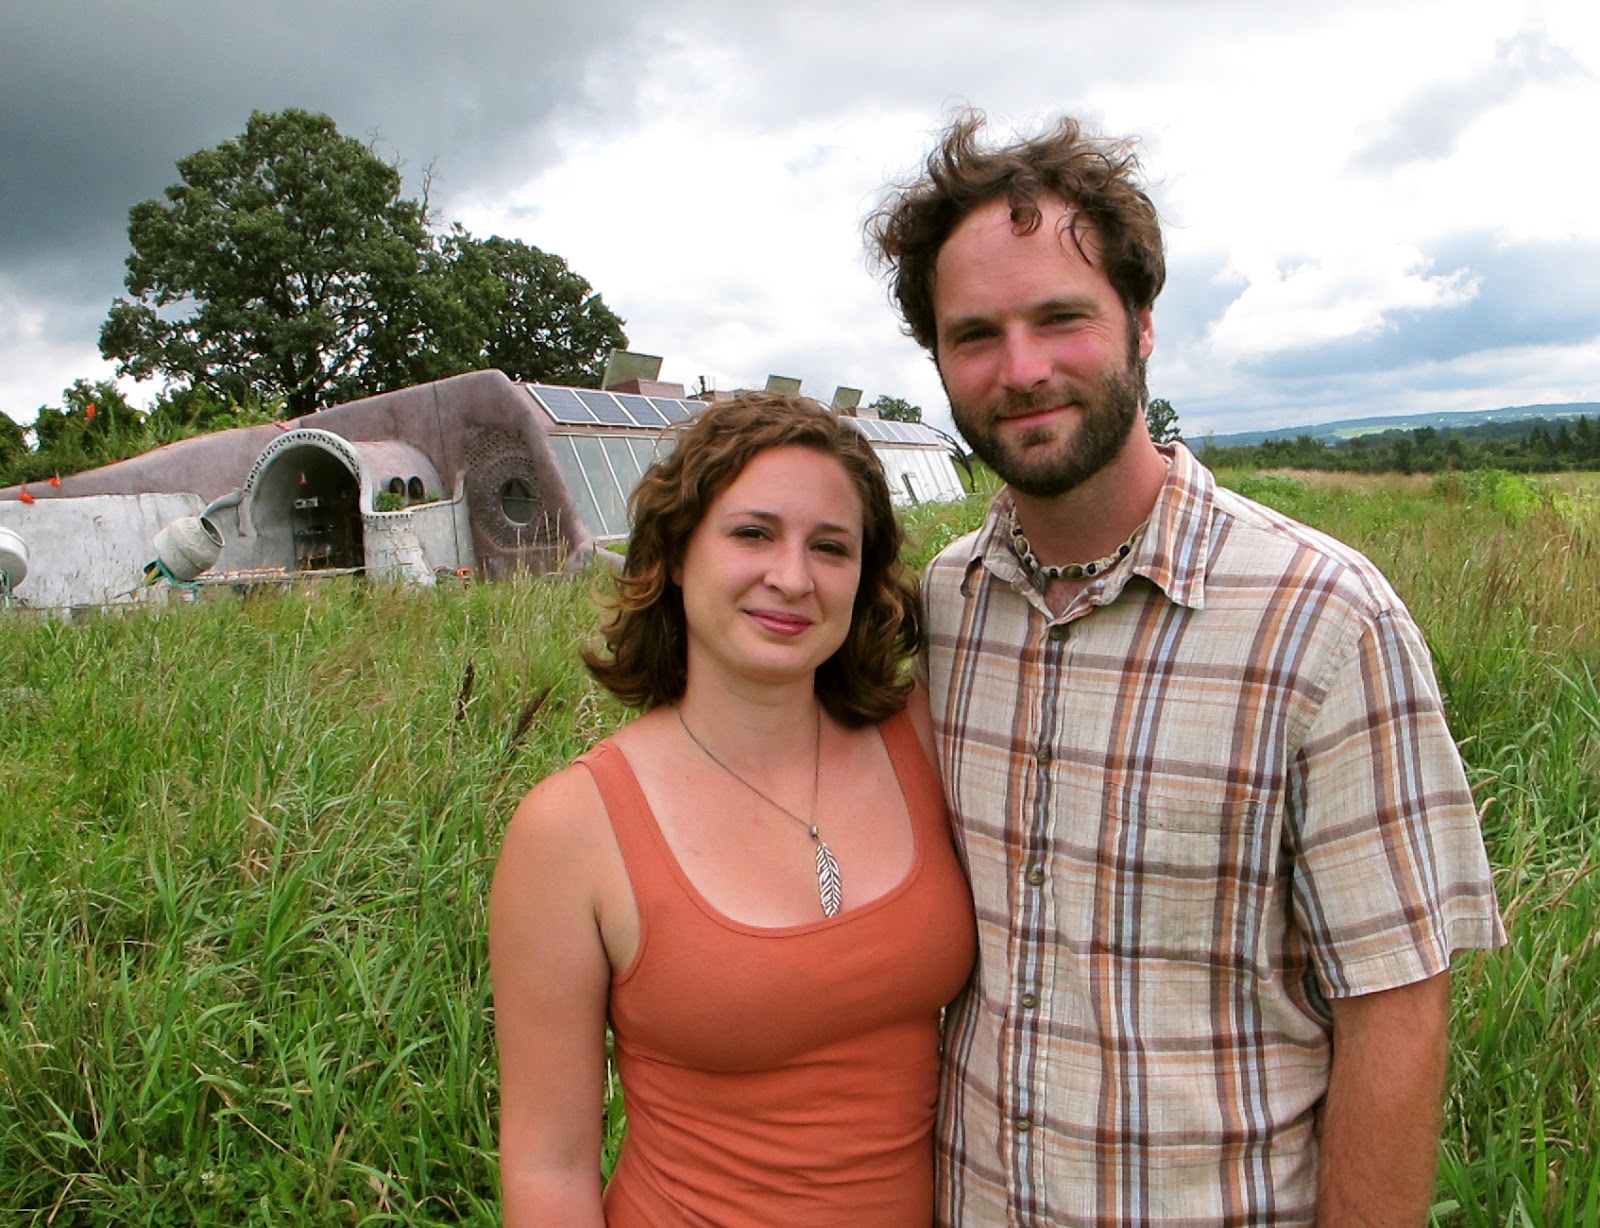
[{"x": 1390, "y": 874}]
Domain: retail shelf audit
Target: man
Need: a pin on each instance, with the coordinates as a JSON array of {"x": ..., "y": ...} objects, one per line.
[{"x": 1219, "y": 837}]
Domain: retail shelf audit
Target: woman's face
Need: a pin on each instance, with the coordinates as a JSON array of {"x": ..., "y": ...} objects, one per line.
[{"x": 770, "y": 574}]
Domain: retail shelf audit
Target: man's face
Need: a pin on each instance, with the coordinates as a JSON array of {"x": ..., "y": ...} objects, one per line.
[{"x": 1042, "y": 364}]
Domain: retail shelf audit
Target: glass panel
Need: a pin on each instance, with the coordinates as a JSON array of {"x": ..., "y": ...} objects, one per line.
[
  {"x": 611, "y": 502},
  {"x": 644, "y": 453},
  {"x": 516, "y": 500},
  {"x": 653, "y": 448},
  {"x": 893, "y": 462},
  {"x": 577, "y": 484},
  {"x": 619, "y": 450},
  {"x": 942, "y": 473}
]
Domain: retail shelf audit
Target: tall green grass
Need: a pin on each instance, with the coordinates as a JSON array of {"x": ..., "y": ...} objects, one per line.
[
  {"x": 1504, "y": 577},
  {"x": 242, "y": 879},
  {"x": 245, "y": 848}
]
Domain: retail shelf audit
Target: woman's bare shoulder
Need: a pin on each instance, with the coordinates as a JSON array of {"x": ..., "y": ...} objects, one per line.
[{"x": 563, "y": 812}]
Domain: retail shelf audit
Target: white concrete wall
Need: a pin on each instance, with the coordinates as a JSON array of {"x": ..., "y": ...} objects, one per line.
[
  {"x": 90, "y": 550},
  {"x": 444, "y": 532},
  {"x": 392, "y": 549}
]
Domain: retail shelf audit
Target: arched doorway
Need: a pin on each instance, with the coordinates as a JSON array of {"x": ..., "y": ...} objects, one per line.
[{"x": 306, "y": 507}]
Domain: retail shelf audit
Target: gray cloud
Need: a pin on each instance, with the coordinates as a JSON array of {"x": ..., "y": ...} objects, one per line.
[
  {"x": 100, "y": 98},
  {"x": 1430, "y": 123},
  {"x": 1528, "y": 294}
]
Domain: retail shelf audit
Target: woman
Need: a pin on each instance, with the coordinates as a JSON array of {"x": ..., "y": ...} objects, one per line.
[{"x": 753, "y": 882}]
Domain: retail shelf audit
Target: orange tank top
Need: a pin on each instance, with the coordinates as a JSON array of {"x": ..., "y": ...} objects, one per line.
[{"x": 783, "y": 1075}]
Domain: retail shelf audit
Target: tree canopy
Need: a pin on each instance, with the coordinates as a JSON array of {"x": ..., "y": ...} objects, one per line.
[
  {"x": 549, "y": 325},
  {"x": 1162, "y": 420},
  {"x": 94, "y": 425},
  {"x": 13, "y": 445},
  {"x": 1518, "y": 446},
  {"x": 897, "y": 409},
  {"x": 287, "y": 262}
]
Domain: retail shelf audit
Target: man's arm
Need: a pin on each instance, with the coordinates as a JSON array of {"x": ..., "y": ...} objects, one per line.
[{"x": 1380, "y": 1123}]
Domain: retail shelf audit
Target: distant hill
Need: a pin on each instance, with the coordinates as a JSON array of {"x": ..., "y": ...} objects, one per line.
[{"x": 1349, "y": 428}]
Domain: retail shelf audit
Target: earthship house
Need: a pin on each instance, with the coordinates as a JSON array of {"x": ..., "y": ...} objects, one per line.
[{"x": 476, "y": 474}]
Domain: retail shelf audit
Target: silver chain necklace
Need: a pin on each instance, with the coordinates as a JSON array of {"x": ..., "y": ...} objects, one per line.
[{"x": 830, "y": 885}]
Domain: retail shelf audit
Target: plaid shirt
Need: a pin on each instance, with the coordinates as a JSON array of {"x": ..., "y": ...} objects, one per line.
[{"x": 1215, "y": 792}]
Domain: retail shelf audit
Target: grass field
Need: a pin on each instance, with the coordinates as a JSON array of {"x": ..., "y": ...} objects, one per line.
[{"x": 246, "y": 844}]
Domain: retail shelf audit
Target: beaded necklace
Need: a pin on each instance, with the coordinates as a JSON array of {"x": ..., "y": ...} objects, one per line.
[{"x": 1065, "y": 571}]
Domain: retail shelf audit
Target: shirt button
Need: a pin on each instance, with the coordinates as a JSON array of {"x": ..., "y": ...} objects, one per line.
[
  {"x": 1060, "y": 631},
  {"x": 1036, "y": 875},
  {"x": 1024, "y": 1123},
  {"x": 1030, "y": 1000},
  {"x": 1043, "y": 755}
]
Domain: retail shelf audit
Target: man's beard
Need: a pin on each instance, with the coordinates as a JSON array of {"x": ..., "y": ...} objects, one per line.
[{"x": 1107, "y": 410}]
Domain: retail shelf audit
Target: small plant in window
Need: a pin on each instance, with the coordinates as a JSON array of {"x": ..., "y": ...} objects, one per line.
[{"x": 389, "y": 501}]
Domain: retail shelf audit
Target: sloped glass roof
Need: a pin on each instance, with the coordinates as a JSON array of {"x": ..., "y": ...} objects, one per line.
[
  {"x": 589, "y": 407},
  {"x": 603, "y": 442}
]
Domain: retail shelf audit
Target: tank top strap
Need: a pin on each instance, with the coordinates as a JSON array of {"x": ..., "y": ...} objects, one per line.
[
  {"x": 919, "y": 781},
  {"x": 637, "y": 835},
  {"x": 900, "y": 739}
]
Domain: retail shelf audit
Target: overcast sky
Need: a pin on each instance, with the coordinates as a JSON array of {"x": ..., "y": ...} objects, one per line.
[{"x": 1384, "y": 207}]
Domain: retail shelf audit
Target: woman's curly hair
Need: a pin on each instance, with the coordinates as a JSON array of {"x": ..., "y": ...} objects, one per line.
[{"x": 645, "y": 662}]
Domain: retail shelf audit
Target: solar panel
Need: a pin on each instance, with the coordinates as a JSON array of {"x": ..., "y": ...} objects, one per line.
[
  {"x": 676, "y": 411},
  {"x": 562, "y": 403},
  {"x": 644, "y": 413},
  {"x": 605, "y": 408}
]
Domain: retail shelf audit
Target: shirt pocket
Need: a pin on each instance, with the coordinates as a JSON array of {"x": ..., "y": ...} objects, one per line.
[{"x": 1187, "y": 875}]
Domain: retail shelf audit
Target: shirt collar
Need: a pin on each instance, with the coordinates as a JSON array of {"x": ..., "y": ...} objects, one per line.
[{"x": 1172, "y": 553}]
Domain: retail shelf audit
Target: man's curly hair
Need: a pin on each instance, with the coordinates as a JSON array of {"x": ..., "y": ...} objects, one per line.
[{"x": 1111, "y": 219}]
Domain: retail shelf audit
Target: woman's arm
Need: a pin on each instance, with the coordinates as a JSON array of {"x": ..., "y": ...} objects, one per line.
[{"x": 551, "y": 980}]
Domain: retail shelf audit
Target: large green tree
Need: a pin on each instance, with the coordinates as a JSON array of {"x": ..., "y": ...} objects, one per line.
[
  {"x": 287, "y": 263},
  {"x": 548, "y": 323}
]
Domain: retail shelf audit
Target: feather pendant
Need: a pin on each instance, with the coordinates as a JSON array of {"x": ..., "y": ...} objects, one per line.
[{"x": 830, "y": 886}]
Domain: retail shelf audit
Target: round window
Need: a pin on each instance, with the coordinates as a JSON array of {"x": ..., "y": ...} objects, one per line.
[
  {"x": 517, "y": 501},
  {"x": 414, "y": 490}
]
